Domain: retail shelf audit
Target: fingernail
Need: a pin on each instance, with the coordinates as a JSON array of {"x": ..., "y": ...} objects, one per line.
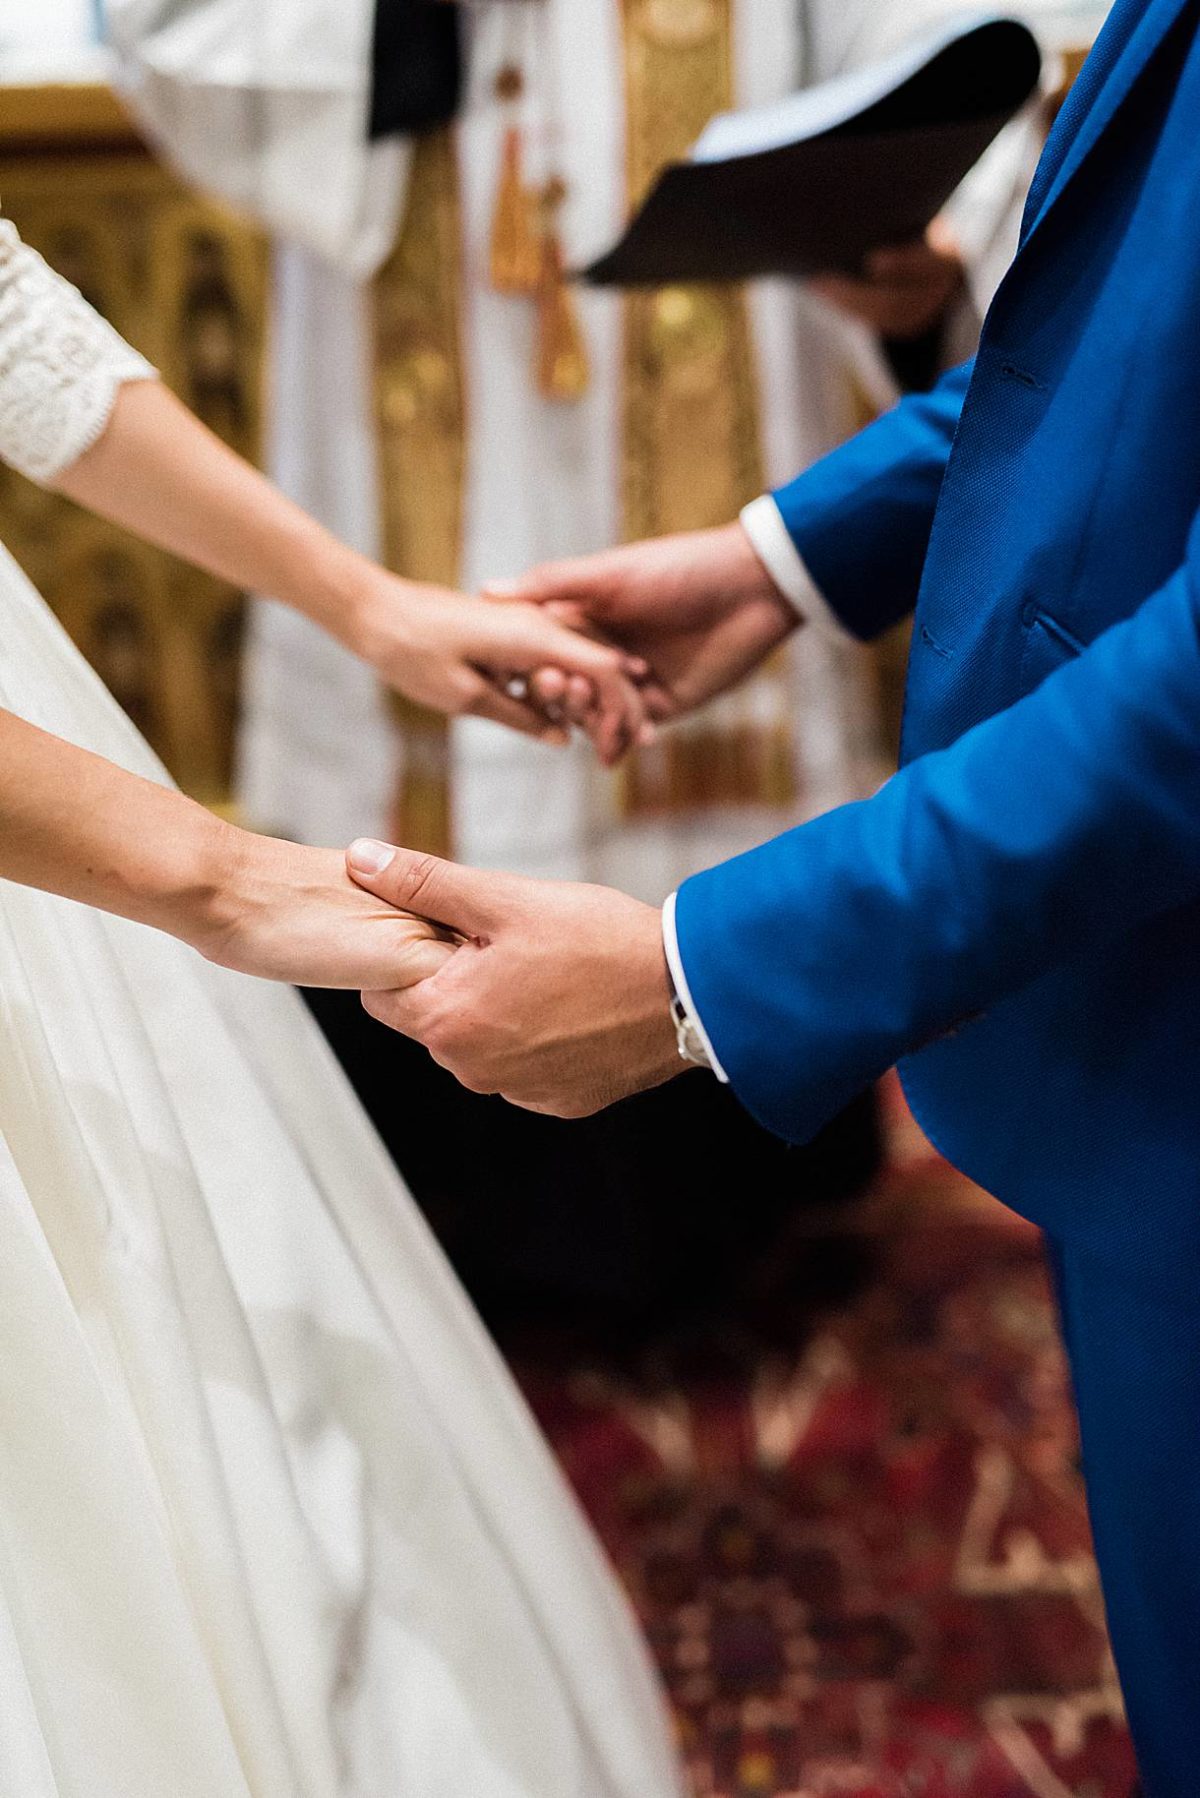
[
  {"x": 367, "y": 856},
  {"x": 502, "y": 589},
  {"x": 647, "y": 736}
]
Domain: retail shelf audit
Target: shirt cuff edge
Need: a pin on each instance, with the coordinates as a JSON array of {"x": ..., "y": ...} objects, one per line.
[
  {"x": 772, "y": 543},
  {"x": 684, "y": 991}
]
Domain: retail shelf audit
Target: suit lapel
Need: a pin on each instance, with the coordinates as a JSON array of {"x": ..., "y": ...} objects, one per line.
[{"x": 1133, "y": 33}]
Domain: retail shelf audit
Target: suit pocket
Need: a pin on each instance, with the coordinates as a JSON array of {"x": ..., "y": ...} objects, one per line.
[{"x": 1048, "y": 644}]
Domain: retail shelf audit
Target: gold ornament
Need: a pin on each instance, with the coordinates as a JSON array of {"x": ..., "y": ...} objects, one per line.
[
  {"x": 691, "y": 438},
  {"x": 421, "y": 414},
  {"x": 515, "y": 263},
  {"x": 563, "y": 366},
  {"x": 680, "y": 24}
]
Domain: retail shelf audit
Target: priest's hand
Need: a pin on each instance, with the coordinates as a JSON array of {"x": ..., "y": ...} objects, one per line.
[
  {"x": 904, "y": 291},
  {"x": 699, "y": 608},
  {"x": 558, "y": 998}
]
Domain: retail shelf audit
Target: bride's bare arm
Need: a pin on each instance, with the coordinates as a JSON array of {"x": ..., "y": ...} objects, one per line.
[
  {"x": 74, "y": 824},
  {"x": 82, "y": 412},
  {"x": 159, "y": 472}
]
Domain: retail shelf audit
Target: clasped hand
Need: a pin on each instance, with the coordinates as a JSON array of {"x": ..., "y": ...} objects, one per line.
[
  {"x": 612, "y": 644},
  {"x": 553, "y": 995}
]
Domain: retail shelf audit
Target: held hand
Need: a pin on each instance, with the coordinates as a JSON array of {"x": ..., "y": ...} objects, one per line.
[
  {"x": 558, "y": 999},
  {"x": 284, "y": 912},
  {"x": 905, "y": 291},
  {"x": 458, "y": 655},
  {"x": 700, "y": 608}
]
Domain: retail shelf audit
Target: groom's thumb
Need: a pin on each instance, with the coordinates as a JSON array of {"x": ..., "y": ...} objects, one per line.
[{"x": 441, "y": 891}]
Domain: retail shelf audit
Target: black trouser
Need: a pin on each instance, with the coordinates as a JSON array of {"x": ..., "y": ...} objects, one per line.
[{"x": 645, "y": 1218}]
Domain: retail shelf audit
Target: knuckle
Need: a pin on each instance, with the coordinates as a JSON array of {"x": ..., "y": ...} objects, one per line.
[
  {"x": 613, "y": 587},
  {"x": 482, "y": 702},
  {"x": 442, "y": 1037},
  {"x": 458, "y": 1046},
  {"x": 541, "y": 585},
  {"x": 443, "y": 1058},
  {"x": 555, "y": 576},
  {"x": 449, "y": 1053},
  {"x": 419, "y": 880}
]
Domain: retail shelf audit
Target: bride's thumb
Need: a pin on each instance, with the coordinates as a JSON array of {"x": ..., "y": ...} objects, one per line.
[{"x": 443, "y": 892}]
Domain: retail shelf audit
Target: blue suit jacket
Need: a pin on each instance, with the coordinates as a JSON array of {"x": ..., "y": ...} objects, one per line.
[{"x": 1016, "y": 916}]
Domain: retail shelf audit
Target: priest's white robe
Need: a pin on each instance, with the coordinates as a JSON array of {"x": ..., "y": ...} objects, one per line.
[{"x": 320, "y": 752}]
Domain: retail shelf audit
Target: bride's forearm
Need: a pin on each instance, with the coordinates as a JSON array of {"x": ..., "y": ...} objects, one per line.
[
  {"x": 160, "y": 473},
  {"x": 75, "y": 824}
]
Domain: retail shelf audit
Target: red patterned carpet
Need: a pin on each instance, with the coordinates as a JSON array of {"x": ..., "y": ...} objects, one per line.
[{"x": 862, "y": 1559}]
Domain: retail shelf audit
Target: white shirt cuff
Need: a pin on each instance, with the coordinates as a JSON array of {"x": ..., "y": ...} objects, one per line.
[
  {"x": 763, "y": 523},
  {"x": 675, "y": 963}
]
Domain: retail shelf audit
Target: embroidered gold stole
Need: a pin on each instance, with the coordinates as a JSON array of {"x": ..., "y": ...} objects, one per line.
[
  {"x": 690, "y": 440},
  {"x": 421, "y": 419},
  {"x": 692, "y": 437}
]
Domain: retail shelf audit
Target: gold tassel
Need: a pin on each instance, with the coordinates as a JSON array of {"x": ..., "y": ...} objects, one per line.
[
  {"x": 516, "y": 251},
  {"x": 563, "y": 367}
]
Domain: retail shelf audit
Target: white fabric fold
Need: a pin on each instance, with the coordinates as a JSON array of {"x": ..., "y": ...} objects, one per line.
[
  {"x": 266, "y": 103},
  {"x": 274, "y": 1521}
]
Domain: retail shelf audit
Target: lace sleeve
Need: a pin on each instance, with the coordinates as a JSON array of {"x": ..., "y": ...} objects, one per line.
[{"x": 61, "y": 365}]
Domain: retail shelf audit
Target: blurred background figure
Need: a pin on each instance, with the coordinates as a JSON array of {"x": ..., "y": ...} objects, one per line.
[
  {"x": 444, "y": 397},
  {"x": 62, "y": 33}
]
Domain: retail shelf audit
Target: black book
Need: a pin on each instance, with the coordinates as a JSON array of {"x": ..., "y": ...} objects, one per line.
[
  {"x": 814, "y": 183},
  {"x": 417, "y": 58}
]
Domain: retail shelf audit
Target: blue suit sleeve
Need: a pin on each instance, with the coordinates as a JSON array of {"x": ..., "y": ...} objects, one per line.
[
  {"x": 861, "y": 517},
  {"x": 1058, "y": 825}
]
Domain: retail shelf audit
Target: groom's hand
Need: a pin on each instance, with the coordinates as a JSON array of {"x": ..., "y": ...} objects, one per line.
[
  {"x": 700, "y": 608},
  {"x": 558, "y": 998}
]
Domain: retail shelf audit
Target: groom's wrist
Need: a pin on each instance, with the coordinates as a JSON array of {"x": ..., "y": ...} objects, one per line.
[
  {"x": 763, "y": 527},
  {"x": 731, "y": 560}
]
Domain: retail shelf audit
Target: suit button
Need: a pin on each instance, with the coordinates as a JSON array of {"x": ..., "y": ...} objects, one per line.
[{"x": 1029, "y": 613}]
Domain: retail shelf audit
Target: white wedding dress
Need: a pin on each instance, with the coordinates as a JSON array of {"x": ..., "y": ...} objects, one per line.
[{"x": 274, "y": 1522}]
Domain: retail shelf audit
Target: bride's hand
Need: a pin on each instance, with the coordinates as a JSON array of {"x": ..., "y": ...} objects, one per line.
[
  {"x": 457, "y": 655},
  {"x": 285, "y": 912}
]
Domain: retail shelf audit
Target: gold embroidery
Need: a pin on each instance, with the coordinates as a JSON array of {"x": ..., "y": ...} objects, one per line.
[
  {"x": 421, "y": 413},
  {"x": 691, "y": 452},
  {"x": 187, "y": 284},
  {"x": 689, "y": 369},
  {"x": 564, "y": 369},
  {"x": 515, "y": 260}
]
